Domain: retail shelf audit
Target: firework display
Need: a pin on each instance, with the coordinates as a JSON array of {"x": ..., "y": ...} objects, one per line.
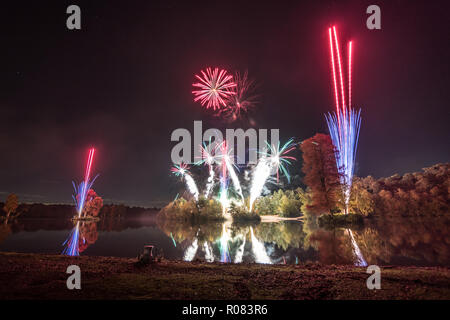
[
  {"x": 344, "y": 124},
  {"x": 230, "y": 97},
  {"x": 289, "y": 151},
  {"x": 214, "y": 87},
  {"x": 230, "y": 247},
  {"x": 271, "y": 163}
]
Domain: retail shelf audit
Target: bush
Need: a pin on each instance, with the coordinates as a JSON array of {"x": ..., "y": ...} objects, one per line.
[
  {"x": 240, "y": 213},
  {"x": 201, "y": 210}
]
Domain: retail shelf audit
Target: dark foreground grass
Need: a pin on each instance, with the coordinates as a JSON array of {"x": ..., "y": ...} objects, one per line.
[{"x": 36, "y": 276}]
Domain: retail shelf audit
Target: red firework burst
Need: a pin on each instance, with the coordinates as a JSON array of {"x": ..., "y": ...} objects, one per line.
[
  {"x": 243, "y": 99},
  {"x": 214, "y": 88}
]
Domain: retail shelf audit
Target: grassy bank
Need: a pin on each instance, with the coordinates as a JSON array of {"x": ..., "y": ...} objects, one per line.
[{"x": 36, "y": 276}]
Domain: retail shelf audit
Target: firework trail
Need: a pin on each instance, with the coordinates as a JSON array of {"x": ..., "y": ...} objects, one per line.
[
  {"x": 214, "y": 88},
  {"x": 360, "y": 261},
  {"x": 210, "y": 183},
  {"x": 268, "y": 164},
  {"x": 209, "y": 158},
  {"x": 182, "y": 170},
  {"x": 223, "y": 245},
  {"x": 240, "y": 250},
  {"x": 223, "y": 197},
  {"x": 191, "y": 251},
  {"x": 346, "y": 145},
  {"x": 173, "y": 240},
  {"x": 242, "y": 100},
  {"x": 344, "y": 124},
  {"x": 234, "y": 178},
  {"x": 258, "y": 250},
  {"x": 71, "y": 243},
  {"x": 209, "y": 257},
  {"x": 79, "y": 190},
  {"x": 228, "y": 165},
  {"x": 83, "y": 188},
  {"x": 260, "y": 175}
]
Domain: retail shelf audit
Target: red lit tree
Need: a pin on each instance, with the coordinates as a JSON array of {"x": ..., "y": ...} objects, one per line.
[{"x": 93, "y": 204}]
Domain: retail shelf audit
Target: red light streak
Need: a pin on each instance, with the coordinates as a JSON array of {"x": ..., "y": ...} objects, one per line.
[
  {"x": 334, "y": 71},
  {"x": 89, "y": 164},
  {"x": 340, "y": 69},
  {"x": 350, "y": 74}
]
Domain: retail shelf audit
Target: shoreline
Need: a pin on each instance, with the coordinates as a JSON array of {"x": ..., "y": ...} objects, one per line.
[
  {"x": 275, "y": 218},
  {"x": 43, "y": 276}
]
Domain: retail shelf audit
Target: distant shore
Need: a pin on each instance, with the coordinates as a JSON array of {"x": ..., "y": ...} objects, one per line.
[
  {"x": 39, "y": 276},
  {"x": 67, "y": 211}
]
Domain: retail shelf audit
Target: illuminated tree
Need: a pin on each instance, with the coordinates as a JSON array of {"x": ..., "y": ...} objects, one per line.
[
  {"x": 11, "y": 204},
  {"x": 321, "y": 174},
  {"x": 93, "y": 204},
  {"x": 361, "y": 200}
]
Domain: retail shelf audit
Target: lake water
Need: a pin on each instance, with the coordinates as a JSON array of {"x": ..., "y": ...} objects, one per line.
[{"x": 408, "y": 241}]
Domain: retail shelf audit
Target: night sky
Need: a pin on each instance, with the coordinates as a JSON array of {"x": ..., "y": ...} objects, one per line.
[{"x": 123, "y": 83}]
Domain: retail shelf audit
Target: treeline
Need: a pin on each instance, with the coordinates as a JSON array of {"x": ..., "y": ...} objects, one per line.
[
  {"x": 424, "y": 193},
  {"x": 418, "y": 193},
  {"x": 39, "y": 210}
]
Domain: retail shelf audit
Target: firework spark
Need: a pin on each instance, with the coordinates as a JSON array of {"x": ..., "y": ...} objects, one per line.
[
  {"x": 214, "y": 87},
  {"x": 182, "y": 170}
]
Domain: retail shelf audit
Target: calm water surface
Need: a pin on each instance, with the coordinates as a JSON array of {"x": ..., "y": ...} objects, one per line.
[{"x": 407, "y": 241}]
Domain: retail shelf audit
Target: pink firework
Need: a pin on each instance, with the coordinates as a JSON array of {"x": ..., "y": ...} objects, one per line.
[
  {"x": 214, "y": 88},
  {"x": 242, "y": 100}
]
